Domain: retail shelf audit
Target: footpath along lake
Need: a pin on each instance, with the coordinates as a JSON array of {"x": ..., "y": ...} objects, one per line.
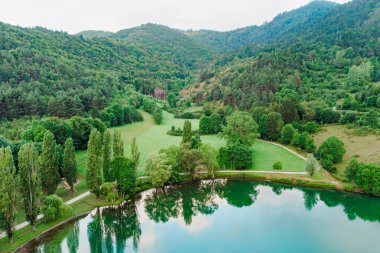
[{"x": 226, "y": 216}]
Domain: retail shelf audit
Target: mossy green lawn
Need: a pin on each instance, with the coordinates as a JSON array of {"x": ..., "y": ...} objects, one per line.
[{"x": 151, "y": 138}]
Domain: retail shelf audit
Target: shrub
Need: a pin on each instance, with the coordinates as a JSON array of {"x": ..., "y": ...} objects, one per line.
[
  {"x": 287, "y": 134},
  {"x": 52, "y": 207},
  {"x": 277, "y": 165},
  {"x": 327, "y": 164},
  {"x": 109, "y": 191},
  {"x": 332, "y": 147},
  {"x": 236, "y": 156}
]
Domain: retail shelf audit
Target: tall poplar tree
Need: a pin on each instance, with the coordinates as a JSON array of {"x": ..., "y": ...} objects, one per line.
[
  {"x": 94, "y": 175},
  {"x": 118, "y": 145},
  {"x": 69, "y": 164},
  {"x": 186, "y": 136},
  {"x": 30, "y": 182},
  {"x": 49, "y": 164},
  {"x": 135, "y": 153},
  {"x": 107, "y": 155},
  {"x": 8, "y": 192}
]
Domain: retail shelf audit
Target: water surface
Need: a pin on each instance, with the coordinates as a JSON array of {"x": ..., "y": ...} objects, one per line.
[{"x": 227, "y": 216}]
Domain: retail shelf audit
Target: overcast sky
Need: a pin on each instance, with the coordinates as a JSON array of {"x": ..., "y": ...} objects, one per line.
[{"x": 113, "y": 15}]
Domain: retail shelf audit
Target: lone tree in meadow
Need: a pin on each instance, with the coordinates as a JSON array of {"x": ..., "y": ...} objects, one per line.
[
  {"x": 8, "y": 192},
  {"x": 135, "y": 153},
  {"x": 69, "y": 164},
  {"x": 312, "y": 165},
  {"x": 118, "y": 145},
  {"x": 94, "y": 175},
  {"x": 187, "y": 134},
  {"x": 49, "y": 164},
  {"x": 107, "y": 155},
  {"x": 240, "y": 129},
  {"x": 30, "y": 182}
]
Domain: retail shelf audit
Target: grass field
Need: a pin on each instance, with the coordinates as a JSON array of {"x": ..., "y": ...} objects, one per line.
[
  {"x": 367, "y": 147},
  {"x": 151, "y": 138}
]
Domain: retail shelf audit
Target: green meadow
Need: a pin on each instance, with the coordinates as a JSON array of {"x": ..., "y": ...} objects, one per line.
[{"x": 151, "y": 138}]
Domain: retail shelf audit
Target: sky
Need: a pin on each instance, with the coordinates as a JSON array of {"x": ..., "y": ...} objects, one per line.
[{"x": 74, "y": 16}]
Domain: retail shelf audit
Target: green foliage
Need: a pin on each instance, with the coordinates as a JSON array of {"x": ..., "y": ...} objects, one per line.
[
  {"x": 135, "y": 154},
  {"x": 311, "y": 127},
  {"x": 94, "y": 177},
  {"x": 311, "y": 165},
  {"x": 287, "y": 134},
  {"x": 159, "y": 169},
  {"x": 49, "y": 164},
  {"x": 69, "y": 167},
  {"x": 109, "y": 191},
  {"x": 328, "y": 164},
  {"x": 352, "y": 169},
  {"x": 123, "y": 172},
  {"x": 236, "y": 156},
  {"x": 209, "y": 158},
  {"x": 174, "y": 154},
  {"x": 107, "y": 156},
  {"x": 196, "y": 141},
  {"x": 52, "y": 208},
  {"x": 333, "y": 147},
  {"x": 30, "y": 181},
  {"x": 240, "y": 129},
  {"x": 118, "y": 144},
  {"x": 210, "y": 124},
  {"x": 8, "y": 192},
  {"x": 172, "y": 100},
  {"x": 367, "y": 178},
  {"x": 100, "y": 76},
  {"x": 274, "y": 124},
  {"x": 187, "y": 133},
  {"x": 277, "y": 165},
  {"x": 304, "y": 141}
]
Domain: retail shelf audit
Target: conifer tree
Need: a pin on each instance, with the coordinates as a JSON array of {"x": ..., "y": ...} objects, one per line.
[
  {"x": 49, "y": 164},
  {"x": 107, "y": 155},
  {"x": 8, "y": 192},
  {"x": 118, "y": 145},
  {"x": 30, "y": 182},
  {"x": 94, "y": 175},
  {"x": 69, "y": 165}
]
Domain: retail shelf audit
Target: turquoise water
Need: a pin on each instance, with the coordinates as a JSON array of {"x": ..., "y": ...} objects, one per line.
[{"x": 227, "y": 216}]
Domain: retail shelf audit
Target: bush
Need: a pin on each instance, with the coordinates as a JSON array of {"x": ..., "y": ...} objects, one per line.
[
  {"x": 277, "y": 165},
  {"x": 333, "y": 147},
  {"x": 52, "y": 207},
  {"x": 236, "y": 156},
  {"x": 287, "y": 134},
  {"x": 327, "y": 164},
  {"x": 311, "y": 127},
  {"x": 109, "y": 191},
  {"x": 304, "y": 141}
]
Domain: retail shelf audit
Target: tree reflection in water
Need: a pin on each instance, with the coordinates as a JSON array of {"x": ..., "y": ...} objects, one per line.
[{"x": 110, "y": 228}]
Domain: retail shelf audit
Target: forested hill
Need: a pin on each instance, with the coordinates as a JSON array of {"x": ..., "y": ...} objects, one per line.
[
  {"x": 338, "y": 56},
  {"x": 42, "y": 70},
  {"x": 283, "y": 25},
  {"x": 171, "y": 43}
]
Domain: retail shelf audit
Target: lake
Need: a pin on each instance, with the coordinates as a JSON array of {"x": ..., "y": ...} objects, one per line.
[{"x": 227, "y": 216}]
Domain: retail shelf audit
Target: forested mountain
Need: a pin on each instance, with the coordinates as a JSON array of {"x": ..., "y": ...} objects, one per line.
[
  {"x": 43, "y": 71},
  {"x": 90, "y": 34},
  {"x": 169, "y": 43},
  {"x": 292, "y": 22},
  {"x": 338, "y": 56}
]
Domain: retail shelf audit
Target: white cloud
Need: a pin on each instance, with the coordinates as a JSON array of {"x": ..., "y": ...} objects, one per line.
[{"x": 112, "y": 15}]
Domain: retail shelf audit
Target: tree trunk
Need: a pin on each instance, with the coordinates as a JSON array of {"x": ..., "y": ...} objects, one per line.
[{"x": 10, "y": 235}]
